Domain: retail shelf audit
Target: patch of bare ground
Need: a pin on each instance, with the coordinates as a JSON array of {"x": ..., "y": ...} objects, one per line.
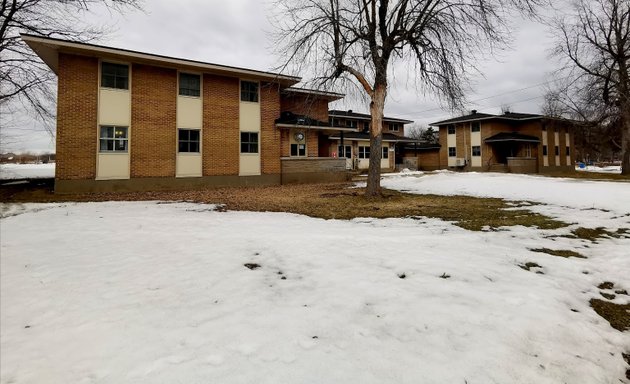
[
  {"x": 591, "y": 176},
  {"x": 594, "y": 234},
  {"x": 618, "y": 315},
  {"x": 532, "y": 266},
  {"x": 327, "y": 201},
  {"x": 559, "y": 252}
]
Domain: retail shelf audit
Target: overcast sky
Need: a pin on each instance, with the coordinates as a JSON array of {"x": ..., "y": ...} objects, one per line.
[{"x": 236, "y": 32}]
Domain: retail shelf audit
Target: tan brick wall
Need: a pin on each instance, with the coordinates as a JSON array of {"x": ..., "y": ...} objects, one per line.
[
  {"x": 285, "y": 142},
  {"x": 444, "y": 146},
  {"x": 270, "y": 146},
  {"x": 312, "y": 143},
  {"x": 77, "y": 104},
  {"x": 428, "y": 160},
  {"x": 153, "y": 121},
  {"x": 302, "y": 105},
  {"x": 221, "y": 135}
]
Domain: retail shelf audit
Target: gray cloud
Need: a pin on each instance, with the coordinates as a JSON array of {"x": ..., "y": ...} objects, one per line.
[{"x": 237, "y": 33}]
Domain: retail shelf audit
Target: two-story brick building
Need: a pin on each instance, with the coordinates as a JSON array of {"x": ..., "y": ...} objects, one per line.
[
  {"x": 355, "y": 146},
  {"x": 129, "y": 120},
  {"x": 511, "y": 142}
]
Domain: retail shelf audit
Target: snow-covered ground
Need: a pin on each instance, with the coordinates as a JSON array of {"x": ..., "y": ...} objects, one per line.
[
  {"x": 27, "y": 171},
  {"x": 591, "y": 203},
  {"x": 149, "y": 292},
  {"x": 596, "y": 169}
]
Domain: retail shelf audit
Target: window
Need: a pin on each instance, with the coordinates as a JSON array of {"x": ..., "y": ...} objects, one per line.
[
  {"x": 344, "y": 151},
  {"x": 188, "y": 141},
  {"x": 113, "y": 139},
  {"x": 557, "y": 151},
  {"x": 351, "y": 123},
  {"x": 544, "y": 150},
  {"x": 385, "y": 153},
  {"x": 364, "y": 152},
  {"x": 249, "y": 142},
  {"x": 568, "y": 151},
  {"x": 249, "y": 91},
  {"x": 298, "y": 149},
  {"x": 451, "y": 129},
  {"x": 476, "y": 150},
  {"x": 366, "y": 126},
  {"x": 189, "y": 84},
  {"x": 114, "y": 75},
  {"x": 452, "y": 152},
  {"x": 394, "y": 127},
  {"x": 475, "y": 126}
]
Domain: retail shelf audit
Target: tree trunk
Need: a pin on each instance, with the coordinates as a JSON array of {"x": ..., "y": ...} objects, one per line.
[
  {"x": 376, "y": 137},
  {"x": 625, "y": 138}
]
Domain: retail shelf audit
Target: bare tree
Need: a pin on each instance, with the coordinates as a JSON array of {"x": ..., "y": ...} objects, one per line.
[
  {"x": 596, "y": 128},
  {"x": 595, "y": 41},
  {"x": 423, "y": 133},
  {"x": 361, "y": 39},
  {"x": 24, "y": 78},
  {"x": 416, "y": 131}
]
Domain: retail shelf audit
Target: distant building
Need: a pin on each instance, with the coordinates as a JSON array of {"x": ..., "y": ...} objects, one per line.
[{"x": 511, "y": 142}]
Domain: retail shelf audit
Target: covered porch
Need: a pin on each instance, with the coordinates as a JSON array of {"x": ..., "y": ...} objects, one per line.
[
  {"x": 307, "y": 154},
  {"x": 513, "y": 152}
]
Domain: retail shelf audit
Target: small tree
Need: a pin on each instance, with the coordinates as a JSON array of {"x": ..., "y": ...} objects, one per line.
[
  {"x": 24, "y": 78},
  {"x": 595, "y": 41},
  {"x": 362, "y": 39}
]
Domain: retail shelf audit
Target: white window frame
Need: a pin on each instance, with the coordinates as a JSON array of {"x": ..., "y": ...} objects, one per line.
[
  {"x": 363, "y": 151},
  {"x": 113, "y": 139}
]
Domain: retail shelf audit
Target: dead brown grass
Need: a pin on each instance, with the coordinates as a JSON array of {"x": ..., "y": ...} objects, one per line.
[
  {"x": 559, "y": 252},
  {"x": 591, "y": 176},
  {"x": 327, "y": 201},
  {"x": 594, "y": 234},
  {"x": 618, "y": 315}
]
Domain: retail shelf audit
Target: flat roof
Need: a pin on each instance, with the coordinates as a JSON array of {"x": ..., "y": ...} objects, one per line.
[{"x": 47, "y": 48}]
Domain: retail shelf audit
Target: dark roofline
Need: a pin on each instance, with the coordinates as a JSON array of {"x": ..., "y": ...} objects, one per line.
[
  {"x": 389, "y": 137},
  {"x": 513, "y": 116},
  {"x": 364, "y": 116},
  {"x": 315, "y": 92},
  {"x": 48, "y": 41},
  {"x": 511, "y": 137}
]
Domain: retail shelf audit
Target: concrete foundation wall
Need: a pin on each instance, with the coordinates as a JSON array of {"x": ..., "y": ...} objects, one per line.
[{"x": 522, "y": 165}]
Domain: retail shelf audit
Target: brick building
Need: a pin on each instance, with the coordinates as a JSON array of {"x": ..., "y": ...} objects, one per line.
[
  {"x": 130, "y": 120},
  {"x": 511, "y": 142},
  {"x": 355, "y": 146}
]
